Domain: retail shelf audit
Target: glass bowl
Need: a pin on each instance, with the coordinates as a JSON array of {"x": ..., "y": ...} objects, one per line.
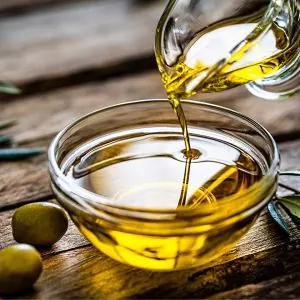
[{"x": 163, "y": 238}]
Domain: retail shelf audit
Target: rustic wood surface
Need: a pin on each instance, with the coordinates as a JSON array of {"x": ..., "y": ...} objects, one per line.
[
  {"x": 72, "y": 57},
  {"x": 41, "y": 116},
  {"x": 85, "y": 36},
  {"x": 20, "y": 6},
  {"x": 288, "y": 287}
]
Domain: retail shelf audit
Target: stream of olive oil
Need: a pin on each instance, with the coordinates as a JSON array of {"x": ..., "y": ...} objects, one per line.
[
  {"x": 197, "y": 70},
  {"x": 156, "y": 170},
  {"x": 147, "y": 170},
  {"x": 130, "y": 171}
]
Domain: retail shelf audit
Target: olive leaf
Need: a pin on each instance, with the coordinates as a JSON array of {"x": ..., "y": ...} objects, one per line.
[
  {"x": 292, "y": 206},
  {"x": 5, "y": 139},
  {"x": 276, "y": 215},
  {"x": 14, "y": 154},
  {"x": 8, "y": 88}
]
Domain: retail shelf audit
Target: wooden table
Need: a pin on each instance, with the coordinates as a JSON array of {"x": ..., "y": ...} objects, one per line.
[{"x": 72, "y": 57}]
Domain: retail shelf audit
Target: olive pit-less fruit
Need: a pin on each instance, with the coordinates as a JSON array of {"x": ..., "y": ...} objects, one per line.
[
  {"x": 20, "y": 267},
  {"x": 39, "y": 224}
]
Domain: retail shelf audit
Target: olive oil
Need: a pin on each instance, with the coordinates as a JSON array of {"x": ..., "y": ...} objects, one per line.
[
  {"x": 152, "y": 169},
  {"x": 144, "y": 169},
  {"x": 148, "y": 171},
  {"x": 228, "y": 54},
  {"x": 205, "y": 66}
]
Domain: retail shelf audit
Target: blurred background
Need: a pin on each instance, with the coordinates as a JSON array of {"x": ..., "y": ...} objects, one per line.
[
  {"x": 49, "y": 40},
  {"x": 70, "y": 57},
  {"x": 76, "y": 55}
]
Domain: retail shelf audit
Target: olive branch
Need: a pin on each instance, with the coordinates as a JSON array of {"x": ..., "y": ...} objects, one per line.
[
  {"x": 8, "y": 88},
  {"x": 289, "y": 206},
  {"x": 12, "y": 153}
]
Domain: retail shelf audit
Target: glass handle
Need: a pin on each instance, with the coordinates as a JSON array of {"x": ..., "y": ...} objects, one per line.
[
  {"x": 286, "y": 81},
  {"x": 285, "y": 210},
  {"x": 281, "y": 86}
]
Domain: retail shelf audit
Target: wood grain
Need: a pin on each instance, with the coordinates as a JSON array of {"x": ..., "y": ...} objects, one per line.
[
  {"x": 77, "y": 37},
  {"x": 45, "y": 114},
  {"x": 86, "y": 273},
  {"x": 48, "y": 46},
  {"x": 40, "y": 117},
  {"x": 17, "y": 6},
  {"x": 263, "y": 235},
  {"x": 72, "y": 268},
  {"x": 9, "y": 7},
  {"x": 283, "y": 287}
]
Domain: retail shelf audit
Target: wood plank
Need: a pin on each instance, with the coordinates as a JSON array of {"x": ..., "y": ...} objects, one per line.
[
  {"x": 77, "y": 37},
  {"x": 265, "y": 252},
  {"x": 13, "y": 3},
  {"x": 225, "y": 275},
  {"x": 9, "y": 7},
  {"x": 260, "y": 253},
  {"x": 284, "y": 287},
  {"x": 86, "y": 273},
  {"x": 16, "y": 6},
  {"x": 40, "y": 117},
  {"x": 263, "y": 235},
  {"x": 45, "y": 114}
]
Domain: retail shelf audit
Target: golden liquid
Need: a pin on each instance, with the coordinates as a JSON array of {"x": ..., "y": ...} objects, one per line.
[
  {"x": 146, "y": 172},
  {"x": 258, "y": 57},
  {"x": 152, "y": 171},
  {"x": 200, "y": 69}
]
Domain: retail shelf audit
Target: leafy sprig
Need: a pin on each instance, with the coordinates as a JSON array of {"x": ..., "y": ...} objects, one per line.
[
  {"x": 290, "y": 204},
  {"x": 277, "y": 217},
  {"x": 6, "y": 87},
  {"x": 13, "y": 154}
]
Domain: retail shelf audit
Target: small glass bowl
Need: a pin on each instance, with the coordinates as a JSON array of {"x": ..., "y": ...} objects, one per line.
[{"x": 163, "y": 239}]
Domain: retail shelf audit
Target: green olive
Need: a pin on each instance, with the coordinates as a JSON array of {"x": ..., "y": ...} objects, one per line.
[
  {"x": 20, "y": 267},
  {"x": 39, "y": 224}
]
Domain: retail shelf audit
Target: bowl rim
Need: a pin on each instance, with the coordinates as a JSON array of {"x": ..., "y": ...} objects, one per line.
[{"x": 79, "y": 194}]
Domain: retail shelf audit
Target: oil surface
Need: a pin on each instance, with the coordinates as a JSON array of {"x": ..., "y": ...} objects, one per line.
[{"x": 153, "y": 172}]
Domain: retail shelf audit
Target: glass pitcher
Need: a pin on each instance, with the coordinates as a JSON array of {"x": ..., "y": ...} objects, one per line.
[{"x": 213, "y": 45}]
